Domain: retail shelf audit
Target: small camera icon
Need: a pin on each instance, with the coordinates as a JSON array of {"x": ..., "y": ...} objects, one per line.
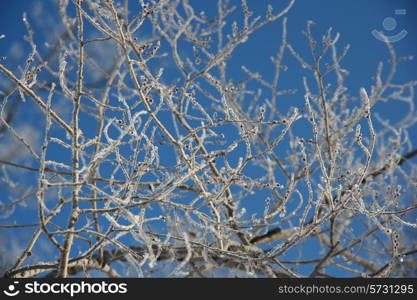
[
  {"x": 11, "y": 290},
  {"x": 389, "y": 24}
]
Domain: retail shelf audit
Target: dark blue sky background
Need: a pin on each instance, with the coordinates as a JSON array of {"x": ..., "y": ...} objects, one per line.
[{"x": 353, "y": 19}]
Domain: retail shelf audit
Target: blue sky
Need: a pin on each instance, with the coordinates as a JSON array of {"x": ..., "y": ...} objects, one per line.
[{"x": 355, "y": 20}]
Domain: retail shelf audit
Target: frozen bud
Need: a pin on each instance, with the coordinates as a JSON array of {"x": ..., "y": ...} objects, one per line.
[
  {"x": 364, "y": 96},
  {"x": 358, "y": 133},
  {"x": 366, "y": 102}
]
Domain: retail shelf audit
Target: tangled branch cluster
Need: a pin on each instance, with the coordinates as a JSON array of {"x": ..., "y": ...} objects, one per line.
[{"x": 154, "y": 161}]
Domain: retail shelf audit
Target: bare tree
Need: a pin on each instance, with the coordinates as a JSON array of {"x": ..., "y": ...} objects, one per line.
[{"x": 150, "y": 158}]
